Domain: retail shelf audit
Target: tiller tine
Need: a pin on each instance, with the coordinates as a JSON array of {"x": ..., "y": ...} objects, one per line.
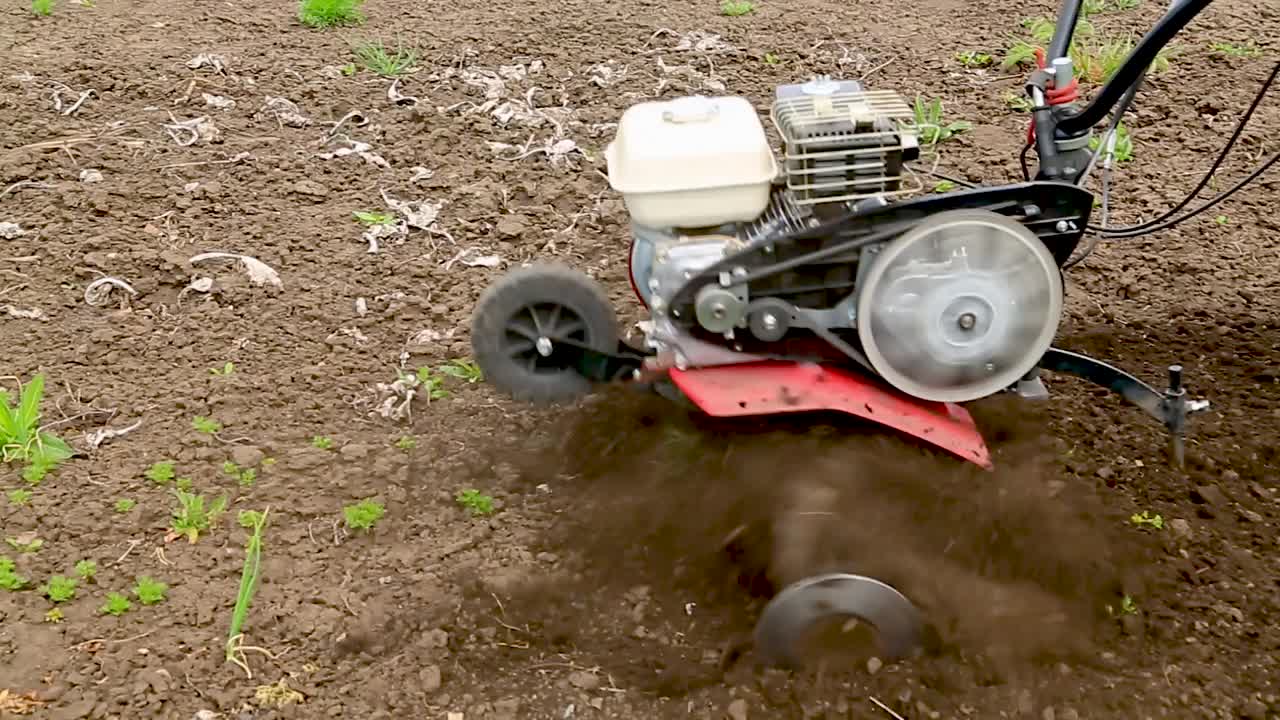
[{"x": 898, "y": 625}]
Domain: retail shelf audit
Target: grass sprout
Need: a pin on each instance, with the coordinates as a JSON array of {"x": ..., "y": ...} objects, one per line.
[
  {"x": 330, "y": 13},
  {"x": 377, "y": 58}
]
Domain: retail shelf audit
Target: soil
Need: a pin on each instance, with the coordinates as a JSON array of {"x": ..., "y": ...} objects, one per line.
[{"x": 603, "y": 585}]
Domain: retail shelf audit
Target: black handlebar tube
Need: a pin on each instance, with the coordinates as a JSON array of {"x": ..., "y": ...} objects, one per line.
[
  {"x": 1064, "y": 31},
  {"x": 1074, "y": 124}
]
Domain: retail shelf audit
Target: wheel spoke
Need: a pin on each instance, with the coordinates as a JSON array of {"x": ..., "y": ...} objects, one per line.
[
  {"x": 520, "y": 348},
  {"x": 555, "y": 318},
  {"x": 523, "y": 330},
  {"x": 566, "y": 331},
  {"x": 537, "y": 321}
]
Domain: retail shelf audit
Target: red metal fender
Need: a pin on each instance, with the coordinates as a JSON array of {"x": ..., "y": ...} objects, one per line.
[{"x": 767, "y": 388}]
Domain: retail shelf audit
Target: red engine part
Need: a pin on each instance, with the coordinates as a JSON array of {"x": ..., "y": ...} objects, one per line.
[{"x": 768, "y": 388}]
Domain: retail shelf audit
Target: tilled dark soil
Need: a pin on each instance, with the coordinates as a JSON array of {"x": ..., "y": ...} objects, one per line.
[{"x": 599, "y": 588}]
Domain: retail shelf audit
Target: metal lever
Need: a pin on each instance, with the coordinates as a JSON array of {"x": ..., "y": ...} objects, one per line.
[{"x": 1176, "y": 410}]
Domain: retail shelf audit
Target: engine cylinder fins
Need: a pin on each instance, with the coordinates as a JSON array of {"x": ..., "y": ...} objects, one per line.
[
  {"x": 528, "y": 329},
  {"x": 959, "y": 307},
  {"x": 899, "y": 627}
]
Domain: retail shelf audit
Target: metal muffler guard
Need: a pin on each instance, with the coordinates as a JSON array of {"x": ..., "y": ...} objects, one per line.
[{"x": 898, "y": 624}]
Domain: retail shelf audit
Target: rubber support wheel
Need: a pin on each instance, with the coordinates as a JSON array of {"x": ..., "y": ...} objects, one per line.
[{"x": 520, "y": 324}]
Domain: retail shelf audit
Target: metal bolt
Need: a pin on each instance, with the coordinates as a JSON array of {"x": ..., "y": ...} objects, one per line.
[
  {"x": 769, "y": 321},
  {"x": 1062, "y": 226},
  {"x": 991, "y": 367},
  {"x": 544, "y": 346},
  {"x": 718, "y": 310},
  {"x": 967, "y": 321}
]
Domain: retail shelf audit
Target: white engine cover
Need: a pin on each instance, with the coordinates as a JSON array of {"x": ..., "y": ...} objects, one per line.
[{"x": 692, "y": 162}]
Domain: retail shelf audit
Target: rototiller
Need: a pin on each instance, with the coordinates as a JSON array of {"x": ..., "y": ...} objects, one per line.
[{"x": 819, "y": 283}]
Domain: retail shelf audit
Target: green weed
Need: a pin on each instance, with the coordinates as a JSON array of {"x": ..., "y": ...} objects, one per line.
[
  {"x": 330, "y": 13},
  {"x": 245, "y": 476},
  {"x": 192, "y": 518},
  {"x": 736, "y": 8},
  {"x": 161, "y": 472},
  {"x": 407, "y": 443},
  {"x": 463, "y": 370},
  {"x": 249, "y": 574},
  {"x": 431, "y": 385},
  {"x": 322, "y": 442},
  {"x": 1248, "y": 50},
  {"x": 19, "y": 497},
  {"x": 59, "y": 589},
  {"x": 25, "y": 546},
  {"x": 124, "y": 505},
  {"x": 228, "y": 368},
  {"x": 974, "y": 59},
  {"x": 1124, "y": 144},
  {"x": 21, "y": 439},
  {"x": 364, "y": 514},
  {"x": 53, "y": 615},
  {"x": 116, "y": 604},
  {"x": 205, "y": 425},
  {"x": 376, "y": 58},
  {"x": 150, "y": 592},
  {"x": 771, "y": 58},
  {"x": 933, "y": 129},
  {"x": 943, "y": 186},
  {"x": 87, "y": 570},
  {"x": 1146, "y": 519},
  {"x": 476, "y": 502},
  {"x": 374, "y": 217},
  {"x": 42, "y": 8},
  {"x": 9, "y": 578},
  {"x": 1221, "y": 219}
]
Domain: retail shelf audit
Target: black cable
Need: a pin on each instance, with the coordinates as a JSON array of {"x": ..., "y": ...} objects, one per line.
[
  {"x": 1134, "y": 230},
  {"x": 1223, "y": 196}
]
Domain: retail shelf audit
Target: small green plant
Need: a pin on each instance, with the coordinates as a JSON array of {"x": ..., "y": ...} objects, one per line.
[
  {"x": 736, "y": 8},
  {"x": 431, "y": 385},
  {"x": 183, "y": 483},
  {"x": 1146, "y": 519},
  {"x": 1124, "y": 5},
  {"x": 933, "y": 129},
  {"x": 160, "y": 473},
  {"x": 25, "y": 546},
  {"x": 475, "y": 501},
  {"x": 330, "y": 13},
  {"x": 364, "y": 514},
  {"x": 205, "y": 425},
  {"x": 1221, "y": 220},
  {"x": 124, "y": 505},
  {"x": 59, "y": 589},
  {"x": 348, "y": 70},
  {"x": 322, "y": 442},
  {"x": 377, "y": 58},
  {"x": 245, "y": 476},
  {"x": 19, "y": 497},
  {"x": 9, "y": 578},
  {"x": 87, "y": 570},
  {"x": 771, "y": 58},
  {"x": 21, "y": 439},
  {"x": 227, "y": 368},
  {"x": 376, "y": 217},
  {"x": 249, "y": 574},
  {"x": 1128, "y": 606},
  {"x": 463, "y": 370},
  {"x": 53, "y": 615},
  {"x": 974, "y": 59},
  {"x": 42, "y": 8},
  {"x": 117, "y": 604},
  {"x": 1124, "y": 144},
  {"x": 1248, "y": 50},
  {"x": 148, "y": 591},
  {"x": 192, "y": 517},
  {"x": 943, "y": 186},
  {"x": 1019, "y": 103},
  {"x": 407, "y": 442}
]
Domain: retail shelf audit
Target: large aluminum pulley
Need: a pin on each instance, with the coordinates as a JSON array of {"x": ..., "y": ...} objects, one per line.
[{"x": 959, "y": 307}]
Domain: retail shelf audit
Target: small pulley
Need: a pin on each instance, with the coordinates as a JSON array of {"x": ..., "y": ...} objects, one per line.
[{"x": 959, "y": 307}]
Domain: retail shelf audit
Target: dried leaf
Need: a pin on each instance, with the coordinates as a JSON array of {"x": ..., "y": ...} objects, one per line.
[{"x": 259, "y": 272}]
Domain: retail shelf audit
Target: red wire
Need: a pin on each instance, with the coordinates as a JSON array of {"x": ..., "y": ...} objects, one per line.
[{"x": 1054, "y": 96}]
